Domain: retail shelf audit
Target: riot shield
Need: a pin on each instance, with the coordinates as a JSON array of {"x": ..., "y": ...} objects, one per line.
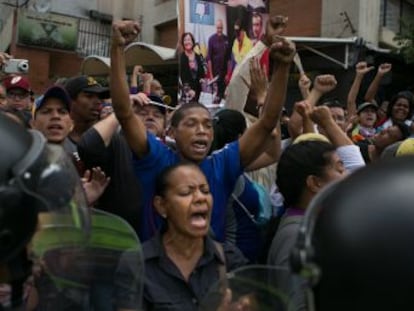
[
  {"x": 102, "y": 272},
  {"x": 250, "y": 288}
]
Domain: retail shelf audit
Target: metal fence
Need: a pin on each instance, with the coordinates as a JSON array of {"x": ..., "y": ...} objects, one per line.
[{"x": 93, "y": 38}]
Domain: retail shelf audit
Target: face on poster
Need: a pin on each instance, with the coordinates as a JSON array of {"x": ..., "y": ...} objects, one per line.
[{"x": 215, "y": 37}]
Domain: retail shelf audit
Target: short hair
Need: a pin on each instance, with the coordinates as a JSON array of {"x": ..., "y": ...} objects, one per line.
[
  {"x": 404, "y": 129},
  {"x": 333, "y": 103},
  {"x": 161, "y": 182},
  {"x": 228, "y": 125},
  {"x": 255, "y": 15},
  {"x": 296, "y": 163},
  {"x": 178, "y": 115},
  {"x": 238, "y": 22}
]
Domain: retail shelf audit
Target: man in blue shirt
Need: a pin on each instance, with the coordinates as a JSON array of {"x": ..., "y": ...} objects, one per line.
[{"x": 191, "y": 127}]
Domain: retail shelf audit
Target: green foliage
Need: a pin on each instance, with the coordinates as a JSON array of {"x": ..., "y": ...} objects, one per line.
[{"x": 405, "y": 41}]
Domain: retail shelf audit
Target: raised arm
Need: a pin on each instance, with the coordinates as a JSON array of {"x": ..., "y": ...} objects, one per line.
[
  {"x": 304, "y": 109},
  {"x": 124, "y": 32},
  {"x": 147, "y": 80},
  {"x": 321, "y": 85},
  {"x": 135, "y": 77},
  {"x": 304, "y": 84},
  {"x": 374, "y": 86},
  {"x": 322, "y": 116},
  {"x": 295, "y": 126},
  {"x": 272, "y": 146},
  {"x": 361, "y": 69},
  {"x": 252, "y": 141}
]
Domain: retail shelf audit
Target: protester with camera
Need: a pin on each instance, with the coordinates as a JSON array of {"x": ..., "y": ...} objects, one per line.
[
  {"x": 18, "y": 92},
  {"x": 17, "y": 87}
]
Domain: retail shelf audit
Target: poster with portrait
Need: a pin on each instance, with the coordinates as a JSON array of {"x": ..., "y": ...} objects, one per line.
[{"x": 214, "y": 37}]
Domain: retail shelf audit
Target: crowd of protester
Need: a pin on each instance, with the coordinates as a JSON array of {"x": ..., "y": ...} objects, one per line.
[{"x": 208, "y": 193}]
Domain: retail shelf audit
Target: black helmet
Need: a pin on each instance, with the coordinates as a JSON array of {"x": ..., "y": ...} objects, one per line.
[
  {"x": 39, "y": 188},
  {"x": 20, "y": 150},
  {"x": 355, "y": 246}
]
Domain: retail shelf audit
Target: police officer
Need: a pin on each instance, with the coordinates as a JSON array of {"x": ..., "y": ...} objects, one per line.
[
  {"x": 355, "y": 246},
  {"x": 85, "y": 259}
]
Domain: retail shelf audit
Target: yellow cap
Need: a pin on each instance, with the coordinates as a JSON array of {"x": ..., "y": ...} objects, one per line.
[
  {"x": 406, "y": 148},
  {"x": 311, "y": 137}
]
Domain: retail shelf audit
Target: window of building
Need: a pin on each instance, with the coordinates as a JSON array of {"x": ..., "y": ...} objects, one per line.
[
  {"x": 166, "y": 34},
  {"x": 393, "y": 12},
  {"x": 93, "y": 38}
]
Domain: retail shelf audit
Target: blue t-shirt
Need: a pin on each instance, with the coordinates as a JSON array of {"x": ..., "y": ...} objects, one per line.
[
  {"x": 222, "y": 168},
  {"x": 247, "y": 233}
]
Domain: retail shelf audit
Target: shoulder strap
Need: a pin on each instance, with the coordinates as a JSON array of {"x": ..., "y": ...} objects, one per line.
[{"x": 222, "y": 266}]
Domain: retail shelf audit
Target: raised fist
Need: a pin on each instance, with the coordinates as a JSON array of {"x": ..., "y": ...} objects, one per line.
[
  {"x": 304, "y": 82},
  {"x": 384, "y": 68},
  {"x": 320, "y": 115},
  {"x": 324, "y": 83},
  {"x": 362, "y": 68},
  {"x": 304, "y": 109},
  {"x": 124, "y": 32},
  {"x": 282, "y": 50}
]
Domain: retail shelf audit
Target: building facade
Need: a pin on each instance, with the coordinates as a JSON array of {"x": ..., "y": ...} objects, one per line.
[
  {"x": 375, "y": 22},
  {"x": 55, "y": 35}
]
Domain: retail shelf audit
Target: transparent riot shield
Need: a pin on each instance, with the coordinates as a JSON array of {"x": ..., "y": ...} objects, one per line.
[
  {"x": 102, "y": 272},
  {"x": 250, "y": 288},
  {"x": 64, "y": 255}
]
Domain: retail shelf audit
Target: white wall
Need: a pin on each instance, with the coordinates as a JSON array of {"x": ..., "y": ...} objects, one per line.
[
  {"x": 363, "y": 14},
  {"x": 369, "y": 20},
  {"x": 153, "y": 15},
  {"x": 333, "y": 25}
]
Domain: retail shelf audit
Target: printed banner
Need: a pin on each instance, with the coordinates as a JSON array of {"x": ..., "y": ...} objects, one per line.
[
  {"x": 47, "y": 30},
  {"x": 215, "y": 36}
]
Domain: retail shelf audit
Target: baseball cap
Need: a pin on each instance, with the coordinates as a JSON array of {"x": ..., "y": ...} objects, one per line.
[
  {"x": 55, "y": 91},
  {"x": 85, "y": 84},
  {"x": 366, "y": 105},
  {"x": 406, "y": 148},
  {"x": 157, "y": 101},
  {"x": 14, "y": 82},
  {"x": 311, "y": 137}
]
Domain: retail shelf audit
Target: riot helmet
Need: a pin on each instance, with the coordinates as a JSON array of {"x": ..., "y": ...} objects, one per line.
[
  {"x": 39, "y": 187},
  {"x": 355, "y": 244}
]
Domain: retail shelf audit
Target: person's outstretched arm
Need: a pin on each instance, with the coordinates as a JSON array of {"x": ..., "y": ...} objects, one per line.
[
  {"x": 304, "y": 84},
  {"x": 374, "y": 86},
  {"x": 123, "y": 33},
  {"x": 360, "y": 70},
  {"x": 252, "y": 141},
  {"x": 322, "y": 116},
  {"x": 301, "y": 124}
]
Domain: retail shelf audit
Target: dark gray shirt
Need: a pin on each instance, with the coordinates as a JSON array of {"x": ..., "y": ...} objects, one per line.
[{"x": 166, "y": 289}]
